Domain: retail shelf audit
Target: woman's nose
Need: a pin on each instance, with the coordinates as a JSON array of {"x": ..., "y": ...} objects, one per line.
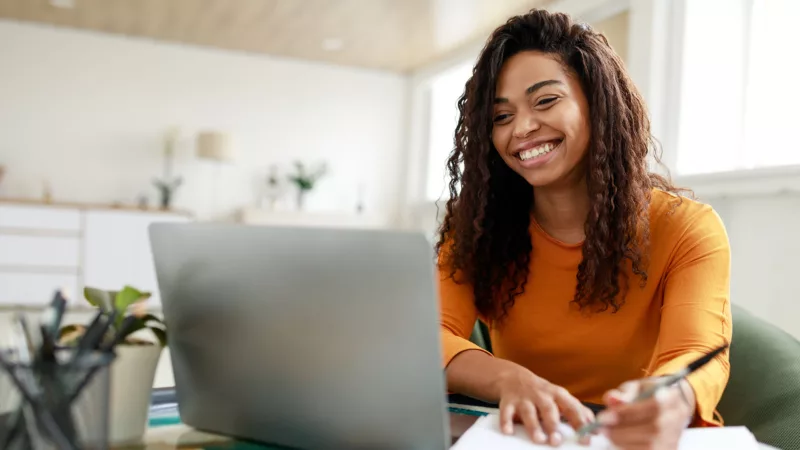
[{"x": 525, "y": 125}]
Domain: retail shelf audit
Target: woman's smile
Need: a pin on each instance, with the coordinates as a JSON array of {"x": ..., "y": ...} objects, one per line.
[{"x": 532, "y": 154}]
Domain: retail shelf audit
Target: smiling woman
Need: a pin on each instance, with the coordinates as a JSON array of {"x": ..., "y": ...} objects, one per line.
[
  {"x": 578, "y": 259},
  {"x": 557, "y": 103}
]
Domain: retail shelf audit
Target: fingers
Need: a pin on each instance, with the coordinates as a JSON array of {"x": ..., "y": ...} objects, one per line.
[
  {"x": 632, "y": 414},
  {"x": 549, "y": 414},
  {"x": 625, "y": 393},
  {"x": 507, "y": 412},
  {"x": 631, "y": 437},
  {"x": 530, "y": 419},
  {"x": 642, "y": 435},
  {"x": 647, "y": 410},
  {"x": 588, "y": 415},
  {"x": 573, "y": 410}
]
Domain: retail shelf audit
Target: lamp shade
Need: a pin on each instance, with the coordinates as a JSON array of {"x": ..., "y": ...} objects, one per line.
[{"x": 214, "y": 145}]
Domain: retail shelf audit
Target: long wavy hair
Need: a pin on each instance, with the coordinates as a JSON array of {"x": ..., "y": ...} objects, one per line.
[{"x": 485, "y": 237}]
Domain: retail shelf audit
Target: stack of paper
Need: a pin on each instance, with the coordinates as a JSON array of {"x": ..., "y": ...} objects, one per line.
[{"x": 486, "y": 434}]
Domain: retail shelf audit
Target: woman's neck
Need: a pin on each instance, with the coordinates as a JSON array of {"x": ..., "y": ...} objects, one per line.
[{"x": 562, "y": 211}]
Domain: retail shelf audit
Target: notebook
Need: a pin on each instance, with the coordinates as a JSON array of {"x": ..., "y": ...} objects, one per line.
[{"x": 486, "y": 434}]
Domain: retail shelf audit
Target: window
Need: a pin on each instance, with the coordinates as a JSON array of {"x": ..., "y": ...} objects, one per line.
[
  {"x": 445, "y": 89},
  {"x": 739, "y": 91}
]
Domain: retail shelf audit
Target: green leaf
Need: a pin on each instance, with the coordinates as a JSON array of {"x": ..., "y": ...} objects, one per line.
[
  {"x": 160, "y": 334},
  {"x": 128, "y": 296},
  {"x": 137, "y": 326},
  {"x": 99, "y": 298},
  {"x": 152, "y": 323}
]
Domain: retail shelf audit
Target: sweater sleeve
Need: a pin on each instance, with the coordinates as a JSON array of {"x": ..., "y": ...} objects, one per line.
[
  {"x": 457, "y": 316},
  {"x": 695, "y": 315}
]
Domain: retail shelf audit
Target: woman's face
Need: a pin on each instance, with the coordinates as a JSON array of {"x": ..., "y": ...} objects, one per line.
[{"x": 541, "y": 120}]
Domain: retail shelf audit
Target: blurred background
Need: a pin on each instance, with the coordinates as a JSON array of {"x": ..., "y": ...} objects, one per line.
[{"x": 118, "y": 113}]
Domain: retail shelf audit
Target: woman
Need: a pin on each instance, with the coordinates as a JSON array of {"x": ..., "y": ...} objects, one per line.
[{"x": 592, "y": 274}]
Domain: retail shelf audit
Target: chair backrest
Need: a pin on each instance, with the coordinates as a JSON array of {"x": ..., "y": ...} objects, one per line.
[
  {"x": 480, "y": 336},
  {"x": 763, "y": 392}
]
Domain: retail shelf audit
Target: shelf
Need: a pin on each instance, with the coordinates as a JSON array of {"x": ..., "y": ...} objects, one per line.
[
  {"x": 91, "y": 206},
  {"x": 50, "y": 270}
]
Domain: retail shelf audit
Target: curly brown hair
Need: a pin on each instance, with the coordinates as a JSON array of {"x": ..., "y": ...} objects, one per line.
[{"x": 485, "y": 237}]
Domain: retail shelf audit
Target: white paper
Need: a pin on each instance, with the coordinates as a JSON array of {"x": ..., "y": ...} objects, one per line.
[{"x": 485, "y": 433}]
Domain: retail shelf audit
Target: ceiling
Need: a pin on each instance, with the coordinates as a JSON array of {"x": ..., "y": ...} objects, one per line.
[{"x": 397, "y": 35}]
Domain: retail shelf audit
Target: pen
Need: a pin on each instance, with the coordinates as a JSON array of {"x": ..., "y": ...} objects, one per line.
[
  {"x": 54, "y": 313},
  {"x": 25, "y": 344},
  {"x": 664, "y": 382},
  {"x": 50, "y": 323},
  {"x": 120, "y": 334},
  {"x": 93, "y": 336},
  {"x": 105, "y": 348}
]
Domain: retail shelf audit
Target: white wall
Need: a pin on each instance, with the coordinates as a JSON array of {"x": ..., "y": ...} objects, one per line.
[
  {"x": 763, "y": 232},
  {"x": 87, "y": 112}
]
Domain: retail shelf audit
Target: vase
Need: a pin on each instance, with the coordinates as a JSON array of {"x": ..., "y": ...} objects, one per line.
[
  {"x": 301, "y": 199},
  {"x": 132, "y": 375},
  {"x": 166, "y": 190}
]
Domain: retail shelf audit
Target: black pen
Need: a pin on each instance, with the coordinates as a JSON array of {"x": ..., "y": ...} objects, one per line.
[
  {"x": 120, "y": 334},
  {"x": 50, "y": 323},
  {"x": 95, "y": 333},
  {"x": 54, "y": 314},
  {"x": 663, "y": 382},
  {"x": 106, "y": 348},
  {"x": 26, "y": 339}
]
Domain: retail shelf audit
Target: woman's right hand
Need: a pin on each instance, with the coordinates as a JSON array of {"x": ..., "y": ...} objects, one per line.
[{"x": 539, "y": 405}]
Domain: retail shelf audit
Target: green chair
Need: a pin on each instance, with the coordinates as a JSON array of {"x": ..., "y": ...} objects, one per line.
[
  {"x": 763, "y": 392},
  {"x": 480, "y": 336}
]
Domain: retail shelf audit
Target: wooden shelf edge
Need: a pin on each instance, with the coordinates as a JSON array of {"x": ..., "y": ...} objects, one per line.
[{"x": 92, "y": 206}]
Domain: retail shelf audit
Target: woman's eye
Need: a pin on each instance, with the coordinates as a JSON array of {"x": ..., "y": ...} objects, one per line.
[
  {"x": 501, "y": 118},
  {"x": 546, "y": 101}
]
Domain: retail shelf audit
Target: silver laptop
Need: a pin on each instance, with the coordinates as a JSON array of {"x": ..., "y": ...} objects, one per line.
[{"x": 304, "y": 338}]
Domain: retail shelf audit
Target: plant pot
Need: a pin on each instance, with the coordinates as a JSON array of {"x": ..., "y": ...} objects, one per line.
[
  {"x": 301, "y": 199},
  {"x": 132, "y": 375}
]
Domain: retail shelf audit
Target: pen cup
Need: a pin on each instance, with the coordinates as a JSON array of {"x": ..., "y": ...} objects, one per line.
[{"x": 56, "y": 405}]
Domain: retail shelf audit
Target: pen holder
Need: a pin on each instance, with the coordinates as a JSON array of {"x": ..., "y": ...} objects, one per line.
[{"x": 55, "y": 405}]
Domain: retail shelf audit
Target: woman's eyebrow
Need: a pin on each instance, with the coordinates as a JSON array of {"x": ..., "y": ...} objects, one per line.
[{"x": 533, "y": 88}]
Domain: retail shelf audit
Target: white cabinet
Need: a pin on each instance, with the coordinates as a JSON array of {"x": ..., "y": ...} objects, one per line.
[
  {"x": 40, "y": 218},
  {"x": 117, "y": 250},
  {"x": 52, "y": 252},
  {"x": 40, "y": 249},
  {"x": 31, "y": 288},
  {"x": 47, "y": 247}
]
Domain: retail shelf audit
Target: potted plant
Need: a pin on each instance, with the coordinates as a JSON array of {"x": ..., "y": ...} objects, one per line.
[
  {"x": 133, "y": 370},
  {"x": 305, "y": 180}
]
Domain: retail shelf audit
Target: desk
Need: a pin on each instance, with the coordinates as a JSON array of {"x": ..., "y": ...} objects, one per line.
[
  {"x": 174, "y": 437},
  {"x": 183, "y": 437}
]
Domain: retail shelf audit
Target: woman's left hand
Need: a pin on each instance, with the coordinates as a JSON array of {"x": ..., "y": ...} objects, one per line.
[{"x": 653, "y": 424}]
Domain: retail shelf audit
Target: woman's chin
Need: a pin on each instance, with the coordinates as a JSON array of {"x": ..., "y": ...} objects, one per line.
[{"x": 541, "y": 178}]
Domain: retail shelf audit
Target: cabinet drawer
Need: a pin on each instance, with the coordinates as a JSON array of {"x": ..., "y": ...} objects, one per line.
[
  {"x": 45, "y": 218},
  {"x": 40, "y": 251},
  {"x": 34, "y": 288}
]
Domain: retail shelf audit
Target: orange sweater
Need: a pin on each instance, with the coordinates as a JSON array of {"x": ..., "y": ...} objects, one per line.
[{"x": 682, "y": 312}]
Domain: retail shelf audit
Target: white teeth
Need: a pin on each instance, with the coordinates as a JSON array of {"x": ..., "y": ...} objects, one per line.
[{"x": 538, "y": 151}]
